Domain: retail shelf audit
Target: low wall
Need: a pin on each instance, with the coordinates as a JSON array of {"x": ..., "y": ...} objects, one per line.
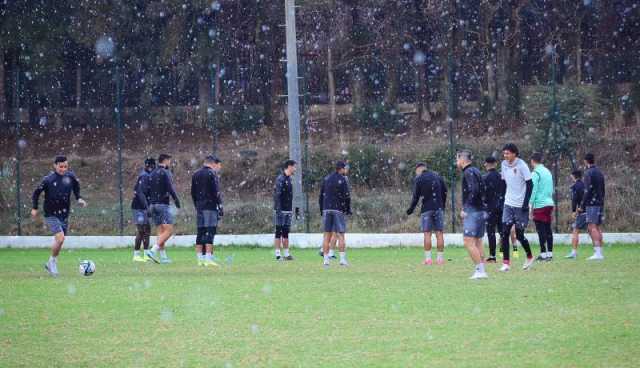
[{"x": 298, "y": 240}]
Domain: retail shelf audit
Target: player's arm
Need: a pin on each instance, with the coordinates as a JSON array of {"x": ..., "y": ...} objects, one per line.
[
  {"x": 587, "y": 192},
  {"x": 347, "y": 196},
  {"x": 414, "y": 199},
  {"x": 172, "y": 190},
  {"x": 321, "y": 197},
  {"x": 277, "y": 194},
  {"x": 139, "y": 192},
  {"x": 444, "y": 193},
  {"x": 36, "y": 196},
  {"x": 527, "y": 194},
  {"x": 76, "y": 191},
  {"x": 535, "y": 180},
  {"x": 193, "y": 189}
]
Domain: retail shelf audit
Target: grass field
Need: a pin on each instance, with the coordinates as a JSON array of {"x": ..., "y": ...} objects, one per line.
[{"x": 385, "y": 310}]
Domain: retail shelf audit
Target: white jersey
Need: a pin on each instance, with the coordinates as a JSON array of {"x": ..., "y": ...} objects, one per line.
[{"x": 515, "y": 176}]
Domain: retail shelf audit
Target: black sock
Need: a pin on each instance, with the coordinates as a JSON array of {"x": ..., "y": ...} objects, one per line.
[
  {"x": 542, "y": 236},
  {"x": 504, "y": 237},
  {"x": 139, "y": 237},
  {"x": 523, "y": 240},
  {"x": 147, "y": 236}
]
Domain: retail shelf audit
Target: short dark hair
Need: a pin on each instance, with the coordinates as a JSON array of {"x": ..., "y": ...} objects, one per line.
[
  {"x": 163, "y": 157},
  {"x": 341, "y": 165},
  {"x": 590, "y": 158},
  {"x": 511, "y": 148},
  {"x": 150, "y": 163},
  {"x": 421, "y": 164},
  {"x": 467, "y": 154},
  {"x": 59, "y": 159},
  {"x": 289, "y": 163},
  {"x": 212, "y": 159},
  {"x": 577, "y": 174},
  {"x": 490, "y": 160},
  {"x": 536, "y": 157}
]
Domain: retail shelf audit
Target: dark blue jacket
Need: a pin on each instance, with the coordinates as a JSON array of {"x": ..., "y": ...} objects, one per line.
[
  {"x": 205, "y": 189},
  {"x": 430, "y": 186},
  {"x": 577, "y": 194},
  {"x": 283, "y": 194},
  {"x": 57, "y": 194},
  {"x": 472, "y": 189},
  {"x": 140, "y": 201},
  {"x": 335, "y": 194},
  {"x": 593, "y": 188},
  {"x": 495, "y": 189},
  {"x": 160, "y": 189}
]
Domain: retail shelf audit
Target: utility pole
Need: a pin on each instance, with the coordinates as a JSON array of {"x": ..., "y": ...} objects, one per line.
[
  {"x": 555, "y": 133},
  {"x": 120, "y": 143},
  {"x": 16, "y": 107},
  {"x": 293, "y": 102}
]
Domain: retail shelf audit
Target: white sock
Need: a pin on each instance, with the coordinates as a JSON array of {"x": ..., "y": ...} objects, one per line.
[
  {"x": 286, "y": 252},
  {"x": 326, "y": 258},
  {"x": 200, "y": 256},
  {"x": 427, "y": 254},
  {"x": 155, "y": 248},
  {"x": 331, "y": 253},
  {"x": 136, "y": 253},
  {"x": 597, "y": 250},
  {"x": 53, "y": 259},
  {"x": 549, "y": 254},
  {"x": 480, "y": 267},
  {"x": 440, "y": 255},
  {"x": 277, "y": 252},
  {"x": 163, "y": 253},
  {"x": 208, "y": 257},
  {"x": 573, "y": 252},
  {"x": 343, "y": 256}
]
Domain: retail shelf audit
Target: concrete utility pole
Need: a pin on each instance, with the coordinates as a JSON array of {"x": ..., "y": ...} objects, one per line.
[{"x": 293, "y": 102}]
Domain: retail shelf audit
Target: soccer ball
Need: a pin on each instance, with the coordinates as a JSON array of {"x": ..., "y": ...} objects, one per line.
[{"x": 87, "y": 267}]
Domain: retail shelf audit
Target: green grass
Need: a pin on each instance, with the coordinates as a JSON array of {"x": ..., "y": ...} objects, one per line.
[{"x": 385, "y": 310}]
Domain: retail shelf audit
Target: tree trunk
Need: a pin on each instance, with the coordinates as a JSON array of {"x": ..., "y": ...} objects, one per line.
[
  {"x": 332, "y": 99},
  {"x": 204, "y": 95},
  {"x": 391, "y": 95},
  {"x": 3, "y": 97},
  {"x": 501, "y": 79},
  {"x": 78, "y": 85},
  {"x": 423, "y": 97},
  {"x": 357, "y": 88}
]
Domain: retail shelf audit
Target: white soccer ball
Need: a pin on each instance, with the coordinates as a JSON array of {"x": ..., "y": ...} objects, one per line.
[{"x": 87, "y": 267}]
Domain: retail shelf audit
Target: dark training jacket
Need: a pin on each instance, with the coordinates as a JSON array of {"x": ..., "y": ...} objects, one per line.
[
  {"x": 577, "y": 194},
  {"x": 472, "y": 189},
  {"x": 495, "y": 189},
  {"x": 57, "y": 194},
  {"x": 140, "y": 201},
  {"x": 160, "y": 189},
  {"x": 593, "y": 188},
  {"x": 205, "y": 189},
  {"x": 283, "y": 194},
  {"x": 335, "y": 194},
  {"x": 431, "y": 188}
]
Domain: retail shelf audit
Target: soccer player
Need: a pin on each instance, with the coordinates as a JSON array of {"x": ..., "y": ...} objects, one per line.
[
  {"x": 429, "y": 186},
  {"x": 57, "y": 187},
  {"x": 207, "y": 199},
  {"x": 140, "y": 209},
  {"x": 517, "y": 177},
  {"x": 580, "y": 219},
  {"x": 593, "y": 204},
  {"x": 542, "y": 204},
  {"x": 495, "y": 189},
  {"x": 335, "y": 206},
  {"x": 160, "y": 191},
  {"x": 473, "y": 213},
  {"x": 283, "y": 210},
  {"x": 332, "y": 248}
]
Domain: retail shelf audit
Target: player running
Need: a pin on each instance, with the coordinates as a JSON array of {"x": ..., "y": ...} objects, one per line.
[
  {"x": 429, "y": 186},
  {"x": 57, "y": 187},
  {"x": 335, "y": 206},
  {"x": 160, "y": 191},
  {"x": 140, "y": 209},
  {"x": 207, "y": 200}
]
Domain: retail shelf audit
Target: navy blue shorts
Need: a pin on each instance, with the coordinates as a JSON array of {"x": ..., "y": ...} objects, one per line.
[
  {"x": 515, "y": 216},
  {"x": 334, "y": 221},
  {"x": 207, "y": 218},
  {"x": 595, "y": 215},
  {"x": 162, "y": 214},
  {"x": 474, "y": 223},
  {"x": 140, "y": 217},
  {"x": 57, "y": 225},
  {"x": 432, "y": 221},
  {"x": 282, "y": 218},
  {"x": 581, "y": 222}
]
